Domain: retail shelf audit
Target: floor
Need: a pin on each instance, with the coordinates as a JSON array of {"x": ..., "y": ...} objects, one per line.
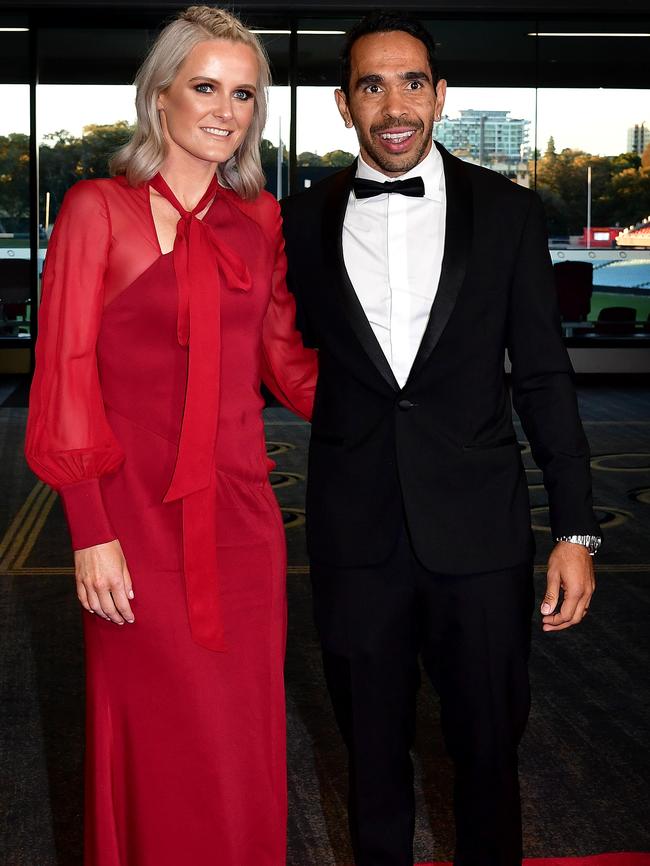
[{"x": 585, "y": 766}]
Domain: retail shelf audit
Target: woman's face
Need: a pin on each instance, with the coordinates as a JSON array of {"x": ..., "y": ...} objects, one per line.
[{"x": 207, "y": 109}]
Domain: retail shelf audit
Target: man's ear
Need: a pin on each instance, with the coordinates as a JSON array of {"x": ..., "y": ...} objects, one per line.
[
  {"x": 441, "y": 92},
  {"x": 342, "y": 105}
]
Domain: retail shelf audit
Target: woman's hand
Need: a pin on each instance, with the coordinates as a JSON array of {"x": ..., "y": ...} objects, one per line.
[{"x": 103, "y": 582}]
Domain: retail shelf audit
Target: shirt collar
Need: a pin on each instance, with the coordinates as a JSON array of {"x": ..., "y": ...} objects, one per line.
[{"x": 431, "y": 171}]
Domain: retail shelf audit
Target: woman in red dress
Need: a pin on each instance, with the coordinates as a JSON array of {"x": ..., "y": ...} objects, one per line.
[{"x": 164, "y": 306}]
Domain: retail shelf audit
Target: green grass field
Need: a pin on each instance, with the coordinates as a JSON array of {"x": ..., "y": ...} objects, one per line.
[
  {"x": 16, "y": 243},
  {"x": 641, "y": 303}
]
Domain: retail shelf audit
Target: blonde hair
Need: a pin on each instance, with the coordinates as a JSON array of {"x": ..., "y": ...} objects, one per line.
[{"x": 142, "y": 156}]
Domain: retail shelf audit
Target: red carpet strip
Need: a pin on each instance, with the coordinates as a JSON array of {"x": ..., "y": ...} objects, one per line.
[{"x": 624, "y": 859}]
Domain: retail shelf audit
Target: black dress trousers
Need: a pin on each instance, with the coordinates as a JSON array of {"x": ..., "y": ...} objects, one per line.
[{"x": 473, "y": 633}]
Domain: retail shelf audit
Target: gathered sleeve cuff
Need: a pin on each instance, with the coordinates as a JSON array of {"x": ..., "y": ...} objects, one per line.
[
  {"x": 69, "y": 443},
  {"x": 85, "y": 513},
  {"x": 289, "y": 370}
]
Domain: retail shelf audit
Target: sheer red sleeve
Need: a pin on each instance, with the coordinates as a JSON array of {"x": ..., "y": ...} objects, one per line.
[
  {"x": 69, "y": 443},
  {"x": 288, "y": 369}
]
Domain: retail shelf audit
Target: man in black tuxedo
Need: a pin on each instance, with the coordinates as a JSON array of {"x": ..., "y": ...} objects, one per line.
[{"x": 414, "y": 272}]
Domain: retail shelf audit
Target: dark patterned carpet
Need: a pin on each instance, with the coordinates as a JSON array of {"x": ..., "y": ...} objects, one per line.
[{"x": 585, "y": 764}]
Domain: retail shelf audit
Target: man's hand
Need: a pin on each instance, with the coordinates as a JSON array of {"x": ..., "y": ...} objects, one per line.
[{"x": 571, "y": 569}]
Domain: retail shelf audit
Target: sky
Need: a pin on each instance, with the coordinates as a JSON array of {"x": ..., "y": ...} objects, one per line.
[{"x": 595, "y": 120}]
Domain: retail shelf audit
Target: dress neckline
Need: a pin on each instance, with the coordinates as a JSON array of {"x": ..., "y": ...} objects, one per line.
[{"x": 161, "y": 186}]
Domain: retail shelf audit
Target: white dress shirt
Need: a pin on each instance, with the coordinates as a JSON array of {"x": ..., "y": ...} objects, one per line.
[{"x": 392, "y": 249}]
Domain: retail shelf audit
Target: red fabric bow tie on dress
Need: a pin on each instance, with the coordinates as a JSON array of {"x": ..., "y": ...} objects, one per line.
[{"x": 203, "y": 264}]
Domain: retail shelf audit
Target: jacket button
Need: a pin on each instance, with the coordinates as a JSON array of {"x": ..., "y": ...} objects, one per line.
[{"x": 405, "y": 405}]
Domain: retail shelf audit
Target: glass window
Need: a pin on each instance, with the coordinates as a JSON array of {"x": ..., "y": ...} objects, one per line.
[
  {"x": 79, "y": 126},
  {"x": 276, "y": 133},
  {"x": 545, "y": 104},
  {"x": 15, "y": 275},
  {"x": 541, "y": 102},
  {"x": 593, "y": 167},
  {"x": 492, "y": 127},
  {"x": 489, "y": 116},
  {"x": 85, "y": 104},
  {"x": 323, "y": 145}
]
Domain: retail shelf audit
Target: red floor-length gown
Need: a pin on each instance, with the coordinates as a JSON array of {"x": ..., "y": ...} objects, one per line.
[{"x": 185, "y": 753}]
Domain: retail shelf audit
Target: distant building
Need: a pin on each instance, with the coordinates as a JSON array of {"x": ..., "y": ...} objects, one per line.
[
  {"x": 600, "y": 236},
  {"x": 485, "y": 136},
  {"x": 638, "y": 138},
  {"x": 635, "y": 236}
]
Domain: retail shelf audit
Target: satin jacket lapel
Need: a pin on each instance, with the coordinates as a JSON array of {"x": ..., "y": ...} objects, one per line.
[
  {"x": 333, "y": 216},
  {"x": 458, "y": 244}
]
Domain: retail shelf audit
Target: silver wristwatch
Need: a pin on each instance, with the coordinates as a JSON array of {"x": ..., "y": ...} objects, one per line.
[{"x": 591, "y": 542}]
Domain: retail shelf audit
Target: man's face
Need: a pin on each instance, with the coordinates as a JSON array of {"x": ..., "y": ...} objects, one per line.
[{"x": 392, "y": 101}]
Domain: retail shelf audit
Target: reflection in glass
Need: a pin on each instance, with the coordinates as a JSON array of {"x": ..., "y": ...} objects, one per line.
[{"x": 15, "y": 293}]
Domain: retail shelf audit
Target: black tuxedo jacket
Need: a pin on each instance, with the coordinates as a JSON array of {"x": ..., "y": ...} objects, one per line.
[{"x": 441, "y": 452}]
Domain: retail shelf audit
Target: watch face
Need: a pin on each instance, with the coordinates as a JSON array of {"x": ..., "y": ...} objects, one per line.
[{"x": 592, "y": 544}]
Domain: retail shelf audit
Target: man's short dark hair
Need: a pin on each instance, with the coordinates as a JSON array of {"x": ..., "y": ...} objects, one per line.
[{"x": 386, "y": 22}]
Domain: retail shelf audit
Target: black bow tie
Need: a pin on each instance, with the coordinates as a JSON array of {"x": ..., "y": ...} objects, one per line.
[{"x": 413, "y": 186}]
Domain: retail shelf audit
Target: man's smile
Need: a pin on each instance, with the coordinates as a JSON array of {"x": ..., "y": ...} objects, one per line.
[{"x": 397, "y": 139}]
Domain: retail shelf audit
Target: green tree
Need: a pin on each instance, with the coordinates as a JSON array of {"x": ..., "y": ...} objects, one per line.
[
  {"x": 337, "y": 158},
  {"x": 550, "y": 148},
  {"x": 554, "y": 207},
  {"x": 59, "y": 167},
  {"x": 65, "y": 158},
  {"x": 269, "y": 155},
  {"x": 309, "y": 159},
  {"x": 624, "y": 161},
  {"x": 630, "y": 196},
  {"x": 99, "y": 143},
  {"x": 645, "y": 159},
  {"x": 14, "y": 176},
  {"x": 620, "y": 193}
]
